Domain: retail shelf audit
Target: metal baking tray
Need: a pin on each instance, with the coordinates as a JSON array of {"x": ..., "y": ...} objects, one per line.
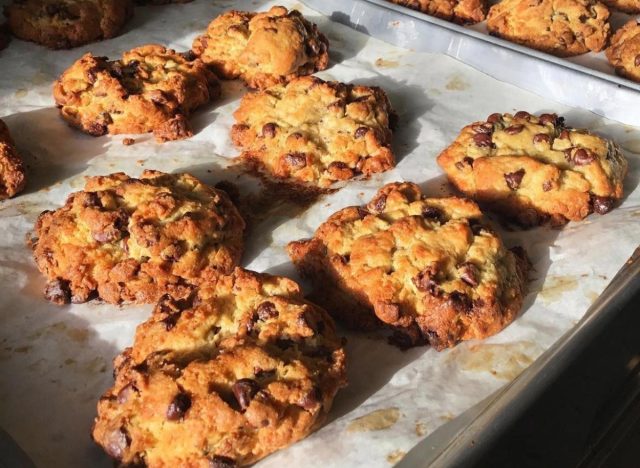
[{"x": 586, "y": 81}]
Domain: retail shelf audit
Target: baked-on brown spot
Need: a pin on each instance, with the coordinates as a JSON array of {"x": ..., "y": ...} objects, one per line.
[
  {"x": 151, "y": 89},
  {"x": 315, "y": 143},
  {"x": 263, "y": 49},
  {"x": 190, "y": 397},
  {"x": 559, "y": 27},
  {"x": 133, "y": 240},
  {"x": 624, "y": 50},
  {"x": 63, "y": 24},
  {"x": 12, "y": 173},
  {"x": 545, "y": 172},
  {"x": 437, "y": 279},
  {"x": 457, "y": 11}
]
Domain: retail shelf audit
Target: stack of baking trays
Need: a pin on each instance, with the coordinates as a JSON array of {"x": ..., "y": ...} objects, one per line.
[{"x": 299, "y": 234}]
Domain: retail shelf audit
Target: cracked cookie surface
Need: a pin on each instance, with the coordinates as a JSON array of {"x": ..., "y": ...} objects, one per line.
[
  {"x": 426, "y": 267},
  {"x": 133, "y": 240},
  {"x": 151, "y": 89},
  {"x": 315, "y": 132},
  {"x": 64, "y": 24},
  {"x": 535, "y": 169},
  {"x": 241, "y": 368},
  {"x": 559, "y": 27},
  {"x": 263, "y": 49},
  {"x": 624, "y": 52},
  {"x": 457, "y": 11},
  {"x": 12, "y": 174}
]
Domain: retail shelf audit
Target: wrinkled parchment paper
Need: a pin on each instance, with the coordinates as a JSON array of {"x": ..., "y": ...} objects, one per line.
[{"x": 56, "y": 361}]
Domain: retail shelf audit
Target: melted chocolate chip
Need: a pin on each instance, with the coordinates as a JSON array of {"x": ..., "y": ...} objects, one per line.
[
  {"x": 117, "y": 443},
  {"x": 58, "y": 291},
  {"x": 541, "y": 138},
  {"x": 514, "y": 179},
  {"x": 263, "y": 373},
  {"x": 380, "y": 203},
  {"x": 269, "y": 130},
  {"x": 311, "y": 400},
  {"x": 514, "y": 129},
  {"x": 564, "y": 135},
  {"x": 461, "y": 302},
  {"x": 546, "y": 186},
  {"x": 424, "y": 281},
  {"x": 494, "y": 118},
  {"x": 469, "y": 274},
  {"x": 522, "y": 115},
  {"x": 267, "y": 310},
  {"x": 636, "y": 62},
  {"x": 483, "y": 128},
  {"x": 296, "y": 160},
  {"x": 548, "y": 119},
  {"x": 582, "y": 157},
  {"x": 218, "y": 461},
  {"x": 360, "y": 132},
  {"x": 431, "y": 212},
  {"x": 178, "y": 407},
  {"x": 483, "y": 140},
  {"x": 602, "y": 205},
  {"x": 244, "y": 390}
]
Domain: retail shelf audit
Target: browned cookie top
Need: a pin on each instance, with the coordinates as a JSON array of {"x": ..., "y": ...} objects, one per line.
[
  {"x": 458, "y": 11},
  {"x": 151, "y": 89},
  {"x": 243, "y": 367},
  {"x": 536, "y": 169},
  {"x": 427, "y": 267},
  {"x": 624, "y": 51},
  {"x": 12, "y": 174},
  {"x": 315, "y": 132},
  {"x": 559, "y": 27},
  {"x": 133, "y": 240},
  {"x": 63, "y": 24},
  {"x": 263, "y": 49}
]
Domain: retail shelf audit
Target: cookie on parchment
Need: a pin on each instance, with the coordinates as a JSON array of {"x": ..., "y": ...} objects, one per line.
[
  {"x": 314, "y": 132},
  {"x": 559, "y": 27},
  {"x": 241, "y": 368},
  {"x": 263, "y": 49},
  {"x": 428, "y": 268},
  {"x": 624, "y": 51},
  {"x": 63, "y": 24},
  {"x": 12, "y": 173},
  {"x": 535, "y": 169},
  {"x": 151, "y": 89},
  {"x": 457, "y": 11},
  {"x": 133, "y": 240}
]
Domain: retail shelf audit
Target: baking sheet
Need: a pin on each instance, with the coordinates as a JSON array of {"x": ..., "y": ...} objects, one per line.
[
  {"x": 56, "y": 361},
  {"x": 586, "y": 81}
]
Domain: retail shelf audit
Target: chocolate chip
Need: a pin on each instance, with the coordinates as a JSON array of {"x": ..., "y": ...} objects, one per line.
[
  {"x": 311, "y": 400},
  {"x": 389, "y": 313},
  {"x": 514, "y": 129},
  {"x": 636, "y": 62},
  {"x": 284, "y": 343},
  {"x": 178, "y": 407},
  {"x": 189, "y": 56},
  {"x": 58, "y": 291},
  {"x": 269, "y": 130},
  {"x": 431, "y": 212},
  {"x": 267, "y": 310},
  {"x": 602, "y": 205},
  {"x": 494, "y": 118},
  {"x": 582, "y": 157},
  {"x": 424, "y": 281},
  {"x": 380, "y": 203},
  {"x": 218, "y": 461},
  {"x": 96, "y": 129},
  {"x": 360, "y": 132},
  {"x": 117, "y": 443},
  {"x": 125, "y": 393},
  {"x": 546, "y": 186},
  {"x": 483, "y": 128},
  {"x": 564, "y": 135},
  {"x": 522, "y": 115},
  {"x": 466, "y": 162},
  {"x": 514, "y": 179},
  {"x": 541, "y": 138},
  {"x": 244, "y": 390},
  {"x": 263, "y": 373},
  {"x": 469, "y": 273},
  {"x": 460, "y": 301},
  {"x": 548, "y": 119},
  {"x": 296, "y": 160},
  {"x": 483, "y": 140}
]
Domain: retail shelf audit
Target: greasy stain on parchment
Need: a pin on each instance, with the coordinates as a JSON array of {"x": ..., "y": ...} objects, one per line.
[
  {"x": 421, "y": 429},
  {"x": 395, "y": 456},
  {"x": 503, "y": 361},
  {"x": 555, "y": 286},
  {"x": 382, "y": 63},
  {"x": 456, "y": 83},
  {"x": 632, "y": 146},
  {"x": 375, "y": 421}
]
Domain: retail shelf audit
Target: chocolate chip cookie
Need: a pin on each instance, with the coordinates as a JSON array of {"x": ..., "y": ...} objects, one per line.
[
  {"x": 559, "y": 27},
  {"x": 63, "y": 24},
  {"x": 315, "y": 132},
  {"x": 457, "y": 11},
  {"x": 12, "y": 174},
  {"x": 151, "y": 89},
  {"x": 627, "y": 6},
  {"x": 241, "y": 368},
  {"x": 624, "y": 51},
  {"x": 536, "y": 169},
  {"x": 132, "y": 240},
  {"x": 263, "y": 49},
  {"x": 429, "y": 268}
]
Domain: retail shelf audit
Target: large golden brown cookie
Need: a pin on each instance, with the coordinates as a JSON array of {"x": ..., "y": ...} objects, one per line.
[
  {"x": 427, "y": 267},
  {"x": 263, "y": 49},
  {"x": 624, "y": 51},
  {"x": 458, "y": 11},
  {"x": 243, "y": 367},
  {"x": 627, "y": 6},
  {"x": 133, "y": 240},
  {"x": 535, "y": 169},
  {"x": 63, "y": 24},
  {"x": 314, "y": 132},
  {"x": 151, "y": 89},
  {"x": 559, "y": 27},
  {"x": 12, "y": 174}
]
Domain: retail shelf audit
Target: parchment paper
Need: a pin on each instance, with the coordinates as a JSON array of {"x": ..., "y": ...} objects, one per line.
[{"x": 56, "y": 361}]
